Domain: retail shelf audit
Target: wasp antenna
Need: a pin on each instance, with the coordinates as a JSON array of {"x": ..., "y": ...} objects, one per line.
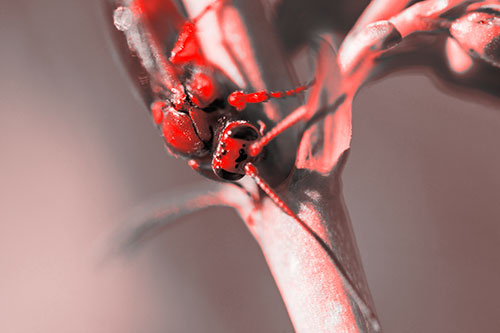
[
  {"x": 252, "y": 171},
  {"x": 291, "y": 92},
  {"x": 297, "y": 115},
  {"x": 239, "y": 99},
  {"x": 303, "y": 112}
]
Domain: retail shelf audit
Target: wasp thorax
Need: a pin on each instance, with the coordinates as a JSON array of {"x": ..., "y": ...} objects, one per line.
[{"x": 232, "y": 154}]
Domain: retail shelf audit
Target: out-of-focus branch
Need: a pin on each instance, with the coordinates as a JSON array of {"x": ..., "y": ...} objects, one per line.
[
  {"x": 152, "y": 217},
  {"x": 379, "y": 10},
  {"x": 474, "y": 28}
]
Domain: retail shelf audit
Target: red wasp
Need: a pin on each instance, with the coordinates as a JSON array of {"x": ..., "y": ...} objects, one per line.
[{"x": 196, "y": 107}]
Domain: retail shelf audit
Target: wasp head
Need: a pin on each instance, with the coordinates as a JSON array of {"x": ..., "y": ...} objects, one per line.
[{"x": 232, "y": 155}]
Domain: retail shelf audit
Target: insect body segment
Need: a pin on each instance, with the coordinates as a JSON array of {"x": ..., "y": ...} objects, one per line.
[
  {"x": 187, "y": 132},
  {"x": 232, "y": 155},
  {"x": 180, "y": 133}
]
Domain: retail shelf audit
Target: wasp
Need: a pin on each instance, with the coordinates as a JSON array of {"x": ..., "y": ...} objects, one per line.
[{"x": 196, "y": 107}]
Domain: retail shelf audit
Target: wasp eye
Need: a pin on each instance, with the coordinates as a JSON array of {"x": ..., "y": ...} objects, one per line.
[{"x": 244, "y": 132}]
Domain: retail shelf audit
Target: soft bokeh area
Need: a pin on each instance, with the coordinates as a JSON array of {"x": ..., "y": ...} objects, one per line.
[{"x": 78, "y": 151}]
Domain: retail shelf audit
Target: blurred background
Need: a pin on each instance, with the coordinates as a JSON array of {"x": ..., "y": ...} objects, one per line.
[{"x": 78, "y": 150}]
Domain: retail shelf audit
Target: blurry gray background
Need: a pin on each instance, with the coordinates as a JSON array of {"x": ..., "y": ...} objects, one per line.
[{"x": 422, "y": 186}]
